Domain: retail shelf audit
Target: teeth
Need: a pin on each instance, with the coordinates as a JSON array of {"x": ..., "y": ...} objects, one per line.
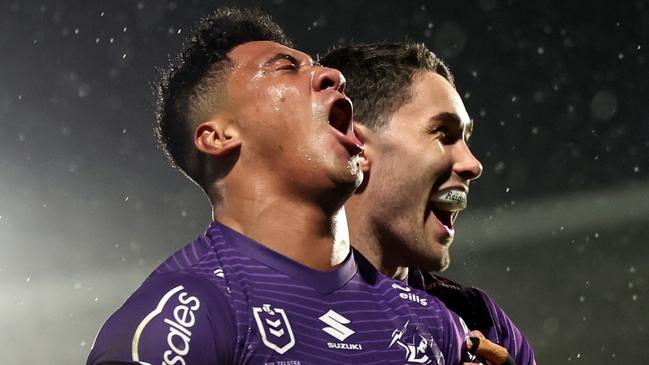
[{"x": 449, "y": 200}]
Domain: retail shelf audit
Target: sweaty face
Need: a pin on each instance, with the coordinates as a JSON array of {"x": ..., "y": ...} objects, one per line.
[
  {"x": 419, "y": 155},
  {"x": 295, "y": 120}
]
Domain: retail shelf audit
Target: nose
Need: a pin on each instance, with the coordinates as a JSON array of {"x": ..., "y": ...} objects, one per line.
[
  {"x": 467, "y": 166},
  {"x": 328, "y": 78}
]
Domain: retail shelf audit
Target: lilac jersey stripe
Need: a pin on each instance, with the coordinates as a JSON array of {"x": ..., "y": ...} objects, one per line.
[{"x": 226, "y": 299}]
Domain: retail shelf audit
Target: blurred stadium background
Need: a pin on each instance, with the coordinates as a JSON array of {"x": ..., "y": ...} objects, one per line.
[{"x": 557, "y": 228}]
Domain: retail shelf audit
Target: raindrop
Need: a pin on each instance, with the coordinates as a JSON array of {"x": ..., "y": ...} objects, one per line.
[
  {"x": 124, "y": 56},
  {"x": 124, "y": 30},
  {"x": 76, "y": 30},
  {"x": 620, "y": 56},
  {"x": 507, "y": 190},
  {"x": 499, "y": 167},
  {"x": 84, "y": 90},
  {"x": 535, "y": 130},
  {"x": 508, "y": 269},
  {"x": 582, "y": 299},
  {"x": 632, "y": 269},
  {"x": 603, "y": 105},
  {"x": 126, "y": 198},
  {"x": 636, "y": 168},
  {"x": 634, "y": 297},
  {"x": 102, "y": 14},
  {"x": 83, "y": 343},
  {"x": 111, "y": 40},
  {"x": 28, "y": 279},
  {"x": 596, "y": 235},
  {"x": 97, "y": 40},
  {"x": 540, "y": 50},
  {"x": 514, "y": 98},
  {"x": 96, "y": 299}
]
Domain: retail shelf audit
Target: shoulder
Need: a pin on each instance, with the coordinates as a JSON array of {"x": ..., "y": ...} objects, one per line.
[
  {"x": 480, "y": 312},
  {"x": 467, "y": 302},
  {"x": 172, "y": 318}
]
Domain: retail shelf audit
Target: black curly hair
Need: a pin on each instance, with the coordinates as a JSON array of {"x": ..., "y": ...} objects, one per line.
[
  {"x": 379, "y": 76},
  {"x": 192, "y": 88}
]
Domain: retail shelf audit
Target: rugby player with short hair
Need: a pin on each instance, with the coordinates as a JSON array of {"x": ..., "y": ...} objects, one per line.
[
  {"x": 417, "y": 168},
  {"x": 268, "y": 135}
]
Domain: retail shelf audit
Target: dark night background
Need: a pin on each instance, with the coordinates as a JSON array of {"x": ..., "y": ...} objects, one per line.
[{"x": 557, "y": 228}]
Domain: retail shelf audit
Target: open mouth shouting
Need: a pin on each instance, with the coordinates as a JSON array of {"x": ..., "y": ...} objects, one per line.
[
  {"x": 340, "y": 120},
  {"x": 446, "y": 205}
]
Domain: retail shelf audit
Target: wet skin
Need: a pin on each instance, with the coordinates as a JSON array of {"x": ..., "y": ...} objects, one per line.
[{"x": 284, "y": 137}]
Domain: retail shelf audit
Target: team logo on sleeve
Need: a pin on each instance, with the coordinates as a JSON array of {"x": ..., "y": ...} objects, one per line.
[
  {"x": 418, "y": 349},
  {"x": 274, "y": 328}
]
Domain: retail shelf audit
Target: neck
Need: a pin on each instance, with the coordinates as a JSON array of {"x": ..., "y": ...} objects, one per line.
[
  {"x": 368, "y": 241},
  {"x": 292, "y": 226}
]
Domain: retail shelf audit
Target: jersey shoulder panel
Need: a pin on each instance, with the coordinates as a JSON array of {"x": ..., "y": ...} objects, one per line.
[
  {"x": 479, "y": 311},
  {"x": 509, "y": 335},
  {"x": 174, "y": 318}
]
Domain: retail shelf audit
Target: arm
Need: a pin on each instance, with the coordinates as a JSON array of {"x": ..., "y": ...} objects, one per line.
[
  {"x": 507, "y": 334},
  {"x": 172, "y": 319}
]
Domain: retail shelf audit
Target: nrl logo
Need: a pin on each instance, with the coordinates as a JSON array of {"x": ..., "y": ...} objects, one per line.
[{"x": 274, "y": 328}]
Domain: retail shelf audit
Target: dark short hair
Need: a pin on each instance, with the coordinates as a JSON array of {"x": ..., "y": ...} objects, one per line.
[
  {"x": 379, "y": 76},
  {"x": 192, "y": 87}
]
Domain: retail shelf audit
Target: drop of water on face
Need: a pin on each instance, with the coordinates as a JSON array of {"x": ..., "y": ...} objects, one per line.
[{"x": 354, "y": 167}]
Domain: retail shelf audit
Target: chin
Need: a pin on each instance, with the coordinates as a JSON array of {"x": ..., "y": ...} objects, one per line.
[{"x": 434, "y": 261}]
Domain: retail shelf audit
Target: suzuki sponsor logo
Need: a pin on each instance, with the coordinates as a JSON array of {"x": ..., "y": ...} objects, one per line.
[
  {"x": 180, "y": 321},
  {"x": 344, "y": 346},
  {"x": 407, "y": 294},
  {"x": 274, "y": 328},
  {"x": 336, "y": 324},
  {"x": 338, "y": 330}
]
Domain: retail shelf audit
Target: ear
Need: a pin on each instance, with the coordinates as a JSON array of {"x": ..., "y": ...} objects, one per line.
[
  {"x": 217, "y": 137},
  {"x": 367, "y": 138}
]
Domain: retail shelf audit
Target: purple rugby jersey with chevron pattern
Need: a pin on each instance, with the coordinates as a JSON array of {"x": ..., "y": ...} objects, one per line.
[{"x": 226, "y": 299}]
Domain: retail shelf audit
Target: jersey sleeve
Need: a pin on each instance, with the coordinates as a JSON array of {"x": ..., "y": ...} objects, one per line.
[
  {"x": 508, "y": 335},
  {"x": 172, "y": 319},
  {"x": 455, "y": 339}
]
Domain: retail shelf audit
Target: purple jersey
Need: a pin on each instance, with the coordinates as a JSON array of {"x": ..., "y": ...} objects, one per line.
[
  {"x": 226, "y": 299},
  {"x": 479, "y": 311}
]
